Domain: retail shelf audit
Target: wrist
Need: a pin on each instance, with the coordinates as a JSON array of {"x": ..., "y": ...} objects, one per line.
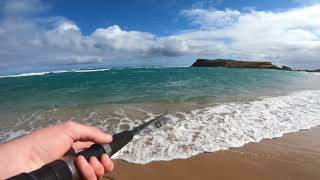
[{"x": 16, "y": 157}]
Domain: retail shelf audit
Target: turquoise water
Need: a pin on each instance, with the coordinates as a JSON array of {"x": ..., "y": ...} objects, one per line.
[
  {"x": 171, "y": 85},
  {"x": 209, "y": 108}
]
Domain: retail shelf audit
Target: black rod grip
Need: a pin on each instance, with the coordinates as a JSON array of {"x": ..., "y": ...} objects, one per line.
[
  {"x": 56, "y": 170},
  {"x": 95, "y": 150},
  {"x": 118, "y": 142}
]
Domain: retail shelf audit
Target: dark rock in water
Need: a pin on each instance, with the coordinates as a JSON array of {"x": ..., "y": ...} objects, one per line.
[
  {"x": 317, "y": 70},
  {"x": 235, "y": 64},
  {"x": 286, "y": 68}
]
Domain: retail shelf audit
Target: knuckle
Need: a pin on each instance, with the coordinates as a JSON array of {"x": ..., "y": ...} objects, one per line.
[
  {"x": 70, "y": 129},
  {"x": 69, "y": 125}
]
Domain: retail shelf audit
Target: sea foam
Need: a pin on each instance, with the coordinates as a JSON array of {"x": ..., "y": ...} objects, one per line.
[
  {"x": 219, "y": 127},
  {"x": 224, "y": 126},
  {"x": 54, "y": 72},
  {"x": 26, "y": 74}
]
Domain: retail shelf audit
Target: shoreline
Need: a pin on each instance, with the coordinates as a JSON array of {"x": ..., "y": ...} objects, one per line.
[{"x": 292, "y": 156}]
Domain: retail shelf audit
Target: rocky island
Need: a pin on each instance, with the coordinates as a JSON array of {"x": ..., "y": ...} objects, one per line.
[
  {"x": 237, "y": 64},
  {"x": 317, "y": 70}
]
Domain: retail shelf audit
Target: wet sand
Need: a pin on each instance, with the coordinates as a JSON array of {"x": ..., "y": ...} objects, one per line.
[{"x": 295, "y": 156}]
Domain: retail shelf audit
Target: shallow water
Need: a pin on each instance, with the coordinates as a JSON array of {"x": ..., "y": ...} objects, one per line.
[{"x": 209, "y": 108}]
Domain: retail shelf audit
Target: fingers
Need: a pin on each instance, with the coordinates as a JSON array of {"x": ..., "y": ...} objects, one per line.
[
  {"x": 85, "y": 168},
  {"x": 94, "y": 169},
  {"x": 107, "y": 163},
  {"x": 79, "y": 132},
  {"x": 97, "y": 167},
  {"x": 77, "y": 146}
]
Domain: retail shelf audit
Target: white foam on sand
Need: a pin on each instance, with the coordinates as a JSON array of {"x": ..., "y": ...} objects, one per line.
[{"x": 225, "y": 126}]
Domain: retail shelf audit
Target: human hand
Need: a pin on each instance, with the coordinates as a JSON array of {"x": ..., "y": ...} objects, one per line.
[{"x": 45, "y": 145}]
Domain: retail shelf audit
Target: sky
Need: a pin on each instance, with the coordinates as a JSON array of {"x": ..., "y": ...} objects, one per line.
[{"x": 50, "y": 35}]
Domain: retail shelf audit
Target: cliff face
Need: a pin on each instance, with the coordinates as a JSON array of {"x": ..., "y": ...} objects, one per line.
[{"x": 234, "y": 64}]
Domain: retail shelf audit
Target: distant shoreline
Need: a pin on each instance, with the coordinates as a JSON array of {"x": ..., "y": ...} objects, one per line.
[
  {"x": 229, "y": 63},
  {"x": 285, "y": 68}
]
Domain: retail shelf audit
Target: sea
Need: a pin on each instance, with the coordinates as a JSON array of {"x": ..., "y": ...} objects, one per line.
[{"x": 209, "y": 109}]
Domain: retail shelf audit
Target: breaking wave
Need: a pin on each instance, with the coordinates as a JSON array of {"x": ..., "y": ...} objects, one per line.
[
  {"x": 219, "y": 127},
  {"x": 225, "y": 126},
  {"x": 54, "y": 72}
]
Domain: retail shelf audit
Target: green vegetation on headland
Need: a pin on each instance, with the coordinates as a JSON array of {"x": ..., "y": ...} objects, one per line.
[{"x": 242, "y": 64}]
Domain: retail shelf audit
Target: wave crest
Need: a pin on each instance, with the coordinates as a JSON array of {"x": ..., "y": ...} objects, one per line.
[{"x": 225, "y": 126}]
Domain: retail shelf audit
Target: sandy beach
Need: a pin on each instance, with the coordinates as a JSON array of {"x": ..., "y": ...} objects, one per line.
[{"x": 295, "y": 156}]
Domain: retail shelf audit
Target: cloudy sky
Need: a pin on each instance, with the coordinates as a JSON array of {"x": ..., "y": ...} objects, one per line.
[{"x": 40, "y": 35}]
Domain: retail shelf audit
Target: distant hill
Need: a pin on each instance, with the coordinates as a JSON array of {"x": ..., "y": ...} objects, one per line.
[
  {"x": 237, "y": 64},
  {"x": 317, "y": 70}
]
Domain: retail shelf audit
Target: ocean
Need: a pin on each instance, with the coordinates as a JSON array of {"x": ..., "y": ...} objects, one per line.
[{"x": 209, "y": 109}]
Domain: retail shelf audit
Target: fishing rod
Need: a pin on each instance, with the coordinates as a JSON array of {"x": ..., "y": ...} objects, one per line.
[{"x": 65, "y": 168}]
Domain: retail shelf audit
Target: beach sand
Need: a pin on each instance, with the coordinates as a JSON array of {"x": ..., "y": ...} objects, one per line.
[{"x": 295, "y": 156}]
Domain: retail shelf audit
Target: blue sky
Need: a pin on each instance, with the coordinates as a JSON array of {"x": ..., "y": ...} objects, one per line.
[
  {"x": 158, "y": 17},
  {"x": 47, "y": 35}
]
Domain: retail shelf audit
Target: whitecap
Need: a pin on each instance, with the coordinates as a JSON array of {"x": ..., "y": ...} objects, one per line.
[{"x": 224, "y": 126}]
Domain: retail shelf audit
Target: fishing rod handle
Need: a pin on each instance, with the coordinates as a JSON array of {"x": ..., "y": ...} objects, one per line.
[
  {"x": 118, "y": 141},
  {"x": 65, "y": 168}
]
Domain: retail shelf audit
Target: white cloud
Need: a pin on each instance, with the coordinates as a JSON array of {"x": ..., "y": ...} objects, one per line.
[
  {"x": 290, "y": 37},
  {"x": 39, "y": 41},
  {"x": 138, "y": 43},
  {"x": 115, "y": 38},
  {"x": 211, "y": 18}
]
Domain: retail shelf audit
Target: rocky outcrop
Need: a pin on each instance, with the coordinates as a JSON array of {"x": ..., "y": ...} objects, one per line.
[
  {"x": 286, "y": 68},
  {"x": 317, "y": 70},
  {"x": 234, "y": 64}
]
